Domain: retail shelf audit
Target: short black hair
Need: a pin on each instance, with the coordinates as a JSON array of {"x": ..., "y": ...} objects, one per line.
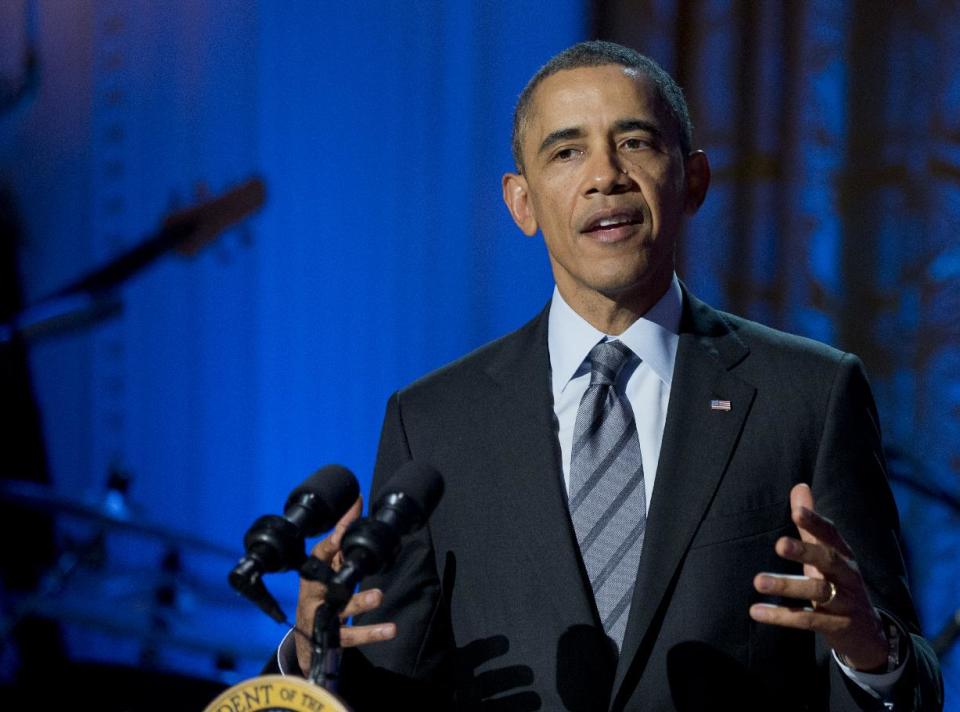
[{"x": 599, "y": 53}]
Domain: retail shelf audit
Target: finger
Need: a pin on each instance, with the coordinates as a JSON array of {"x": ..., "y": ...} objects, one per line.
[
  {"x": 363, "y": 634},
  {"x": 327, "y": 548},
  {"x": 799, "y": 618},
  {"x": 362, "y": 602},
  {"x": 801, "y": 497},
  {"x": 356, "y": 509},
  {"x": 819, "y": 561},
  {"x": 799, "y": 587},
  {"x": 820, "y": 529}
]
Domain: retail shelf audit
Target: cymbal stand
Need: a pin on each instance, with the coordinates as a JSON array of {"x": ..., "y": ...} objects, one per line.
[{"x": 74, "y": 556}]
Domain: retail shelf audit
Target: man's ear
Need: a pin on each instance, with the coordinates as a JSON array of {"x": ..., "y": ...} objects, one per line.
[
  {"x": 517, "y": 198},
  {"x": 697, "y": 172}
]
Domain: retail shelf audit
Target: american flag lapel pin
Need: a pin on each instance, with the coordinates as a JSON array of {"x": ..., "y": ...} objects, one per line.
[{"x": 717, "y": 404}]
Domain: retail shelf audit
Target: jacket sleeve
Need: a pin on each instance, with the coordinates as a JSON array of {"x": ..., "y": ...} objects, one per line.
[
  {"x": 850, "y": 488},
  {"x": 413, "y": 666}
]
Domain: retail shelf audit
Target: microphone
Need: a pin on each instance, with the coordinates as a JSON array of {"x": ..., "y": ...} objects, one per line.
[
  {"x": 370, "y": 545},
  {"x": 275, "y": 543}
]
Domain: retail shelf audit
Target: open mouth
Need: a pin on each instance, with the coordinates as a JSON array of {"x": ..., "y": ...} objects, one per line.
[{"x": 613, "y": 222}]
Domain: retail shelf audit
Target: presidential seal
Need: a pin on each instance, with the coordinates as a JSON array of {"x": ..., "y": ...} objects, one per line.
[{"x": 276, "y": 693}]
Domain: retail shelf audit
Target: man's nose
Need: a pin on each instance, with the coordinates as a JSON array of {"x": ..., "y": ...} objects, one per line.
[{"x": 606, "y": 173}]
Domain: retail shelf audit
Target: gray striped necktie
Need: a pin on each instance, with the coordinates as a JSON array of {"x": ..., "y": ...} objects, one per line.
[{"x": 607, "y": 498}]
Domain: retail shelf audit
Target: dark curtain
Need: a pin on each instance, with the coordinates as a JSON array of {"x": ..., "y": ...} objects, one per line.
[
  {"x": 30, "y": 644},
  {"x": 833, "y": 130}
]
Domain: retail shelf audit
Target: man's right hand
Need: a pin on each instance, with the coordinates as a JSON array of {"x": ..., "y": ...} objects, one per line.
[{"x": 312, "y": 595}]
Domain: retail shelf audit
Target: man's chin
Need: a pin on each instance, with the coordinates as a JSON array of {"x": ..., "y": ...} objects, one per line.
[
  {"x": 626, "y": 287},
  {"x": 622, "y": 284},
  {"x": 643, "y": 292}
]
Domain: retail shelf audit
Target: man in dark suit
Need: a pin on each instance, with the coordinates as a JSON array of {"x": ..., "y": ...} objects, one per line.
[{"x": 649, "y": 504}]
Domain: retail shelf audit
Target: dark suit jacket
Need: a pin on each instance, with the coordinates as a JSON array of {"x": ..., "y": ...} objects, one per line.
[{"x": 492, "y": 600}]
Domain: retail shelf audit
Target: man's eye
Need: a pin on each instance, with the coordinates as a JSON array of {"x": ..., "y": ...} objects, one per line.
[
  {"x": 565, "y": 154},
  {"x": 636, "y": 144}
]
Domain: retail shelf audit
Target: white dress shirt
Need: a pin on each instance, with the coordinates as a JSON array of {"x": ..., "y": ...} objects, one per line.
[{"x": 653, "y": 337}]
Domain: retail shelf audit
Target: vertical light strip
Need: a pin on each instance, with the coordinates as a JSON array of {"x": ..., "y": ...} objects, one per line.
[{"x": 109, "y": 201}]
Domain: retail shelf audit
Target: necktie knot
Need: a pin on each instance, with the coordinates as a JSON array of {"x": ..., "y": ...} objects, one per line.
[{"x": 607, "y": 359}]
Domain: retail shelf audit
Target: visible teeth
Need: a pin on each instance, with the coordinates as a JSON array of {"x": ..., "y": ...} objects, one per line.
[{"x": 607, "y": 222}]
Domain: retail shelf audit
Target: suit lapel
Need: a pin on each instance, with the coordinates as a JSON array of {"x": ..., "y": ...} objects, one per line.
[
  {"x": 533, "y": 487},
  {"x": 697, "y": 443}
]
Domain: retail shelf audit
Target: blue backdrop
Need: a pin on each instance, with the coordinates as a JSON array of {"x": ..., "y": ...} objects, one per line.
[{"x": 381, "y": 130}]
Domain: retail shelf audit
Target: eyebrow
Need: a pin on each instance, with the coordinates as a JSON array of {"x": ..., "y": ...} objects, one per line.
[
  {"x": 621, "y": 126},
  {"x": 627, "y": 125},
  {"x": 555, "y": 137}
]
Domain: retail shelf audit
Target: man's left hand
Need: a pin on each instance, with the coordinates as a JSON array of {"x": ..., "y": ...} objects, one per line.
[{"x": 840, "y": 608}]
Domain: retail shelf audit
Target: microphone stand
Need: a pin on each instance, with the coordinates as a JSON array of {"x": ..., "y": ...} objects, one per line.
[
  {"x": 326, "y": 655},
  {"x": 367, "y": 546},
  {"x": 325, "y": 637}
]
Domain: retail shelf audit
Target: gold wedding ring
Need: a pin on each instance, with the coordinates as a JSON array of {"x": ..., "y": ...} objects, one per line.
[{"x": 833, "y": 594}]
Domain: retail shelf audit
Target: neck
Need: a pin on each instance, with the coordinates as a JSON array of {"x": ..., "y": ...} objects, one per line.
[{"x": 613, "y": 313}]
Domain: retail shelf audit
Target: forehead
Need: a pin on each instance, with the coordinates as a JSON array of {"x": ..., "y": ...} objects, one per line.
[{"x": 588, "y": 97}]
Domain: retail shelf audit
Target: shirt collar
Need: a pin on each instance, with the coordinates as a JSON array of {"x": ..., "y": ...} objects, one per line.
[{"x": 653, "y": 337}]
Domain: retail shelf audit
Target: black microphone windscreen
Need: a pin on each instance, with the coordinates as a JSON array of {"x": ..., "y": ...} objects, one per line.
[
  {"x": 330, "y": 491},
  {"x": 421, "y": 483}
]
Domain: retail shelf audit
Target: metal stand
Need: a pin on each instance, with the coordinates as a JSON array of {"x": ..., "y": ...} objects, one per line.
[
  {"x": 325, "y": 660},
  {"x": 325, "y": 641}
]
